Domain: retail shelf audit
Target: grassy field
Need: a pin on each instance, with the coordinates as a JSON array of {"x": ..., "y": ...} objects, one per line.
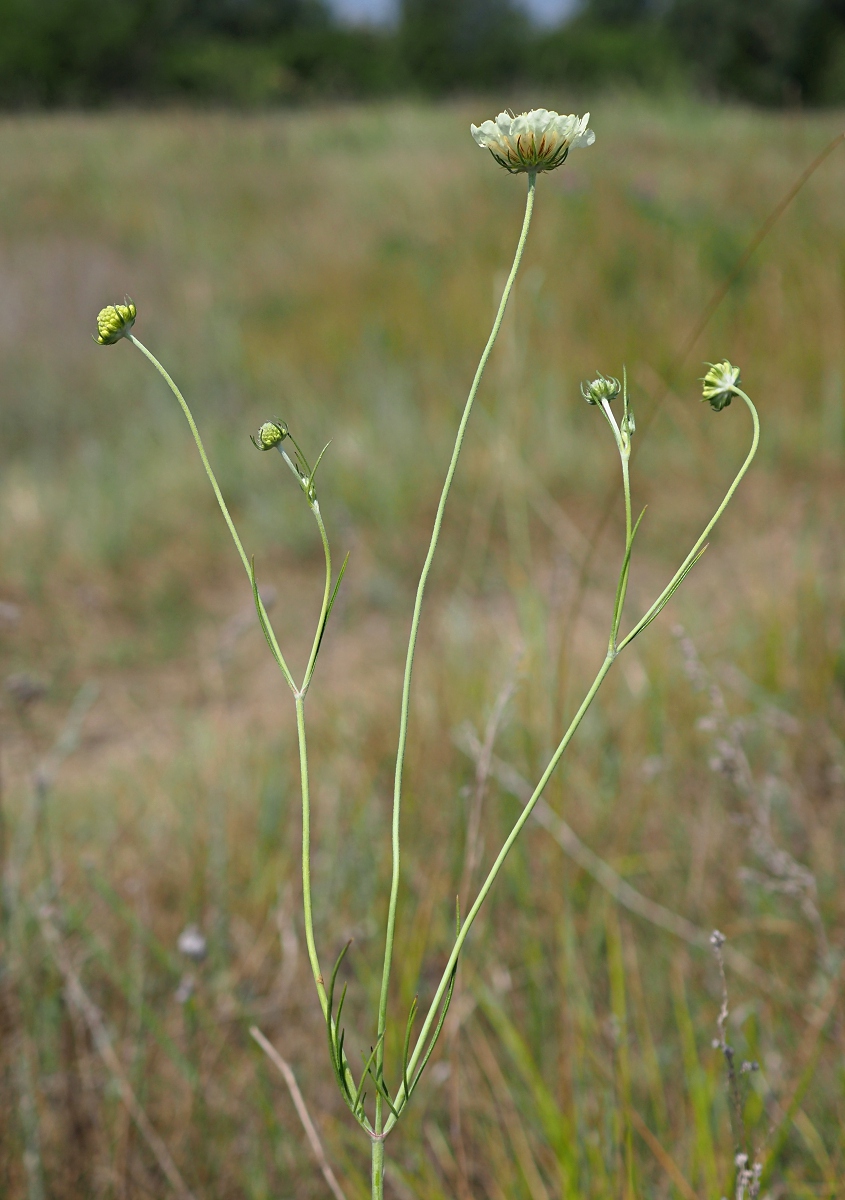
[{"x": 339, "y": 269}]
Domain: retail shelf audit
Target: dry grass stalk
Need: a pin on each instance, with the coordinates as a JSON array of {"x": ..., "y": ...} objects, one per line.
[{"x": 301, "y": 1110}]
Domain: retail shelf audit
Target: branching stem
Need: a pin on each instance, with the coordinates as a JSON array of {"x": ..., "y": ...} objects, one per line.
[
  {"x": 688, "y": 562},
  {"x": 611, "y": 656}
]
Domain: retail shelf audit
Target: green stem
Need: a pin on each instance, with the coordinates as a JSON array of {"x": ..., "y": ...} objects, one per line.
[
  {"x": 622, "y": 588},
  {"x": 623, "y": 445},
  {"x": 415, "y": 621},
  {"x": 378, "y": 1168},
  {"x": 491, "y": 877},
  {"x": 306, "y": 854},
  {"x": 299, "y": 694},
  {"x": 327, "y": 591},
  {"x": 626, "y": 484},
  {"x": 673, "y": 582},
  {"x": 307, "y": 908},
  {"x": 612, "y": 654},
  {"x": 247, "y": 566}
]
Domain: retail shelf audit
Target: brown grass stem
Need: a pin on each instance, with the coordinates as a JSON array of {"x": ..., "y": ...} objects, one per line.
[{"x": 299, "y": 1104}]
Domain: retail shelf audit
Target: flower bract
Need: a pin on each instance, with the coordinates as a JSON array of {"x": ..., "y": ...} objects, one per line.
[
  {"x": 600, "y": 389},
  {"x": 539, "y": 140},
  {"x": 271, "y": 433},
  {"x": 719, "y": 384},
  {"x": 114, "y": 322}
]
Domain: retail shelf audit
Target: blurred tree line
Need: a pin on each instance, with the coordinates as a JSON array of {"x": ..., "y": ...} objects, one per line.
[{"x": 84, "y": 52}]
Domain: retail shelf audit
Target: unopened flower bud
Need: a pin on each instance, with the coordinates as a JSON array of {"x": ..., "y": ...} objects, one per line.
[
  {"x": 114, "y": 322},
  {"x": 601, "y": 389},
  {"x": 271, "y": 434},
  {"x": 719, "y": 384}
]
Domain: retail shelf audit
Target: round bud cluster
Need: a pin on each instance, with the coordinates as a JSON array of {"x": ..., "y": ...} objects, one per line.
[
  {"x": 601, "y": 389},
  {"x": 114, "y": 322},
  {"x": 271, "y": 434}
]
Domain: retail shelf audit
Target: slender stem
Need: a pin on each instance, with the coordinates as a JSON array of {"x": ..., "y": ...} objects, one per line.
[
  {"x": 623, "y": 445},
  {"x": 491, "y": 877},
  {"x": 612, "y": 654},
  {"x": 318, "y": 517},
  {"x": 415, "y": 621},
  {"x": 306, "y": 854},
  {"x": 611, "y": 420},
  {"x": 232, "y": 530},
  {"x": 626, "y": 484},
  {"x": 287, "y": 459},
  {"x": 378, "y": 1168},
  {"x": 646, "y": 618},
  {"x": 622, "y": 588},
  {"x": 299, "y": 698},
  {"x": 299, "y": 694},
  {"x": 327, "y": 591}
]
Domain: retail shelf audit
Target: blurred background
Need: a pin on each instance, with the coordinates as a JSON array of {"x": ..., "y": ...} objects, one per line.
[
  {"x": 290, "y": 194},
  {"x": 253, "y": 52}
]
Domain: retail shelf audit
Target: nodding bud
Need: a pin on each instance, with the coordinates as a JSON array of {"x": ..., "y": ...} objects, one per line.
[
  {"x": 720, "y": 385},
  {"x": 271, "y": 433},
  {"x": 601, "y": 389},
  {"x": 114, "y": 322}
]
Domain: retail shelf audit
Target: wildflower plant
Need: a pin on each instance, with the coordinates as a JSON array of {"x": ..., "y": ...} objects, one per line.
[{"x": 529, "y": 144}]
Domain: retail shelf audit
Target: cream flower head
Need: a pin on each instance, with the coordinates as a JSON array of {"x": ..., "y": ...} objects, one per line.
[
  {"x": 539, "y": 140},
  {"x": 720, "y": 384}
]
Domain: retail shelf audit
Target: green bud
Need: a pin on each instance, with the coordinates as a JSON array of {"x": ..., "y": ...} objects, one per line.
[
  {"x": 601, "y": 389},
  {"x": 271, "y": 433},
  {"x": 719, "y": 384},
  {"x": 114, "y": 322}
]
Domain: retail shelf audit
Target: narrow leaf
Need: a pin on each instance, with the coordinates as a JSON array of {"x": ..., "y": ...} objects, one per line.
[
  {"x": 317, "y": 463},
  {"x": 407, "y": 1048},
  {"x": 623, "y": 576},
  {"x": 330, "y": 1025},
  {"x": 673, "y": 589},
  {"x": 262, "y": 620},
  {"x": 384, "y": 1093},
  {"x": 337, "y": 586},
  {"x": 330, "y": 606},
  {"x": 366, "y": 1072},
  {"x": 437, "y": 1031}
]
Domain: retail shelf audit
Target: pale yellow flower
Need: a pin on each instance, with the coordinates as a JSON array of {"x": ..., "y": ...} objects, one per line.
[
  {"x": 539, "y": 140},
  {"x": 719, "y": 384}
]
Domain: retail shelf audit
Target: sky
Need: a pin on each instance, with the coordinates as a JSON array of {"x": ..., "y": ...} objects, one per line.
[{"x": 379, "y": 11}]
